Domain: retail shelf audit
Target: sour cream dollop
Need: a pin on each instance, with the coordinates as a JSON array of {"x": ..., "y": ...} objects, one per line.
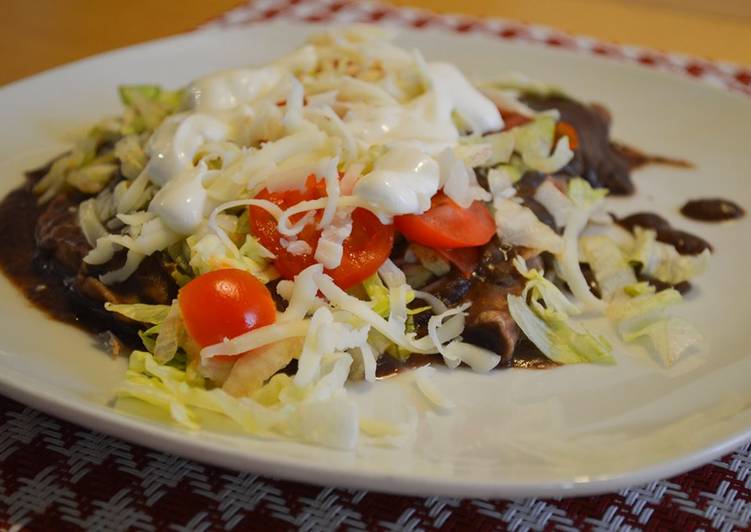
[
  {"x": 174, "y": 145},
  {"x": 474, "y": 108},
  {"x": 182, "y": 201},
  {"x": 403, "y": 181},
  {"x": 230, "y": 88}
]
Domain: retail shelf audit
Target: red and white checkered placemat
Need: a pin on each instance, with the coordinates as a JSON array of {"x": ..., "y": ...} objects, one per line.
[{"x": 57, "y": 476}]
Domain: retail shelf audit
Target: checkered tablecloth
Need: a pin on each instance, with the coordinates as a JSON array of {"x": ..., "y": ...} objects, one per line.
[{"x": 58, "y": 476}]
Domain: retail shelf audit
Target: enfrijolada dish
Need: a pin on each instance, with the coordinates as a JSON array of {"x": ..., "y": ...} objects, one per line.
[{"x": 266, "y": 235}]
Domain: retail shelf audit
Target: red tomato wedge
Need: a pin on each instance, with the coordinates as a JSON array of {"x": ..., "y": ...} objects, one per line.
[
  {"x": 366, "y": 248},
  {"x": 447, "y": 225},
  {"x": 224, "y": 304},
  {"x": 465, "y": 259}
]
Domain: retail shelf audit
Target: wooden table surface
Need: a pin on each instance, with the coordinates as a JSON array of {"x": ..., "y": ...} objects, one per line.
[{"x": 38, "y": 34}]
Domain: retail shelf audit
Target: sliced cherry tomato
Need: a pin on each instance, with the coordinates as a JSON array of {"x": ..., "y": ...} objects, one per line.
[
  {"x": 367, "y": 247},
  {"x": 224, "y": 304},
  {"x": 263, "y": 225},
  {"x": 447, "y": 225},
  {"x": 564, "y": 129},
  {"x": 465, "y": 259}
]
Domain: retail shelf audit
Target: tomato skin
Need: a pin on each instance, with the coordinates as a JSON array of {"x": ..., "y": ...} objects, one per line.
[
  {"x": 464, "y": 259},
  {"x": 447, "y": 225},
  {"x": 564, "y": 129},
  {"x": 512, "y": 119},
  {"x": 224, "y": 304},
  {"x": 367, "y": 247}
]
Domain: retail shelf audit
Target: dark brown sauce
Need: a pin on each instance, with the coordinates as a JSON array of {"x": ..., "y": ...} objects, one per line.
[
  {"x": 683, "y": 287},
  {"x": 389, "y": 366},
  {"x": 39, "y": 277},
  {"x": 526, "y": 356},
  {"x": 637, "y": 158},
  {"x": 685, "y": 243},
  {"x": 18, "y": 256},
  {"x": 712, "y": 210}
]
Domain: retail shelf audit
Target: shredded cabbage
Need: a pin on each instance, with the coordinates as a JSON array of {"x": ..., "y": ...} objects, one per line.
[
  {"x": 662, "y": 261},
  {"x": 154, "y": 314},
  {"x": 170, "y": 335},
  {"x": 534, "y": 141},
  {"x": 519, "y": 226},
  {"x": 147, "y": 106},
  {"x": 424, "y": 381},
  {"x": 644, "y": 316},
  {"x": 552, "y": 333},
  {"x": 549, "y": 327},
  {"x": 608, "y": 264},
  {"x": 555, "y": 201},
  {"x": 321, "y": 414},
  {"x": 585, "y": 199}
]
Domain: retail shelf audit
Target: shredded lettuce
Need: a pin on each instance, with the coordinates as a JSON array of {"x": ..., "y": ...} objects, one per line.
[
  {"x": 670, "y": 337},
  {"x": 552, "y": 333},
  {"x": 636, "y": 313},
  {"x": 153, "y": 314},
  {"x": 555, "y": 201},
  {"x": 88, "y": 219},
  {"x": 253, "y": 369},
  {"x": 644, "y": 316},
  {"x": 662, "y": 261},
  {"x": 585, "y": 199},
  {"x": 548, "y": 326},
  {"x": 170, "y": 335},
  {"x": 609, "y": 265},
  {"x": 499, "y": 148},
  {"x": 209, "y": 253},
  {"x": 92, "y": 178},
  {"x": 131, "y": 155},
  {"x": 147, "y": 106},
  {"x": 534, "y": 142},
  {"x": 538, "y": 287},
  {"x": 519, "y": 226},
  {"x": 378, "y": 295},
  {"x": 320, "y": 414},
  {"x": 69, "y": 169},
  {"x": 424, "y": 381}
]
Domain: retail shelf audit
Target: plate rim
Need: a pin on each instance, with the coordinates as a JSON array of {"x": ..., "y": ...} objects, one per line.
[{"x": 167, "y": 438}]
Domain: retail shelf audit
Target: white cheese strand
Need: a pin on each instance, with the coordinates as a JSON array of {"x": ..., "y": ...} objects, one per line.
[
  {"x": 331, "y": 177},
  {"x": 330, "y": 247},
  {"x": 256, "y": 338}
]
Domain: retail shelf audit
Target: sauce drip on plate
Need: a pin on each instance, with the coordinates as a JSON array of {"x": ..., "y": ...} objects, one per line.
[
  {"x": 685, "y": 243},
  {"x": 712, "y": 210}
]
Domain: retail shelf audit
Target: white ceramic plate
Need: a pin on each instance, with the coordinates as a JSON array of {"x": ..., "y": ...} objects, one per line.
[{"x": 572, "y": 430}]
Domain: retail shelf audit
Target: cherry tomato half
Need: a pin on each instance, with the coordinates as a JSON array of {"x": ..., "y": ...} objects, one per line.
[
  {"x": 367, "y": 247},
  {"x": 447, "y": 225},
  {"x": 224, "y": 304}
]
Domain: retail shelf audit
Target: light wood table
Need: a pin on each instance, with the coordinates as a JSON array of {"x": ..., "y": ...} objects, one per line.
[{"x": 38, "y": 34}]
